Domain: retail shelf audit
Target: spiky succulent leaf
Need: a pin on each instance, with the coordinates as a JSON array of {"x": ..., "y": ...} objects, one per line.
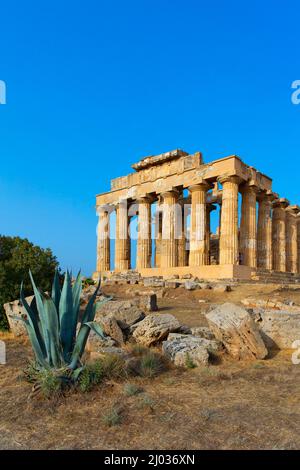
[
  {"x": 34, "y": 320},
  {"x": 42, "y": 315},
  {"x": 39, "y": 355},
  {"x": 56, "y": 352},
  {"x": 56, "y": 290},
  {"x": 67, "y": 318},
  {"x": 77, "y": 289}
]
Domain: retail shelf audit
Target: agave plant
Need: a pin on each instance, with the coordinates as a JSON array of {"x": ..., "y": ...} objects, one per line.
[{"x": 57, "y": 336}]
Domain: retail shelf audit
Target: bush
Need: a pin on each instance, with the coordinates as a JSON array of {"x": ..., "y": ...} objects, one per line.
[
  {"x": 112, "y": 417},
  {"x": 17, "y": 256},
  {"x": 131, "y": 389},
  {"x": 91, "y": 375},
  {"x": 151, "y": 364}
]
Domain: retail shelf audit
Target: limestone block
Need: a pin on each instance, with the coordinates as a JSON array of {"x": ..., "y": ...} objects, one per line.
[
  {"x": 279, "y": 329},
  {"x": 154, "y": 282},
  {"x": 124, "y": 311},
  {"x": 202, "y": 332},
  {"x": 235, "y": 327},
  {"x": 181, "y": 348},
  {"x": 155, "y": 328},
  {"x": 111, "y": 328},
  {"x": 15, "y": 308}
]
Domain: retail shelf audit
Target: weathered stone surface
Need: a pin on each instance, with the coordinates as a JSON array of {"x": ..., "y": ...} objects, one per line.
[
  {"x": 191, "y": 285},
  {"x": 96, "y": 344},
  {"x": 148, "y": 302},
  {"x": 15, "y": 308},
  {"x": 202, "y": 332},
  {"x": 186, "y": 276},
  {"x": 111, "y": 328},
  {"x": 234, "y": 326},
  {"x": 154, "y": 282},
  {"x": 185, "y": 330},
  {"x": 172, "y": 284},
  {"x": 125, "y": 312},
  {"x": 279, "y": 329},
  {"x": 109, "y": 350},
  {"x": 155, "y": 328},
  {"x": 222, "y": 288},
  {"x": 181, "y": 348}
]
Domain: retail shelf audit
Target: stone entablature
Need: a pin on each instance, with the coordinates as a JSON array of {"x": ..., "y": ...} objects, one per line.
[
  {"x": 189, "y": 168},
  {"x": 268, "y": 236}
]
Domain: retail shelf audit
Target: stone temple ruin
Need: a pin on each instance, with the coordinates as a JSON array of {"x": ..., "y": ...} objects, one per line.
[{"x": 266, "y": 242}]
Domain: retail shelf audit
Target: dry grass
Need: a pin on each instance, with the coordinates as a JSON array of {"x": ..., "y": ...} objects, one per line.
[{"x": 231, "y": 405}]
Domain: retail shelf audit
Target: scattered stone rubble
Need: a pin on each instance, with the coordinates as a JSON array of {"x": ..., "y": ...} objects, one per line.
[{"x": 244, "y": 332}]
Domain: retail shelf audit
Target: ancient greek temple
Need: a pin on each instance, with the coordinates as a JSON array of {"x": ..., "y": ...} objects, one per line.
[{"x": 258, "y": 231}]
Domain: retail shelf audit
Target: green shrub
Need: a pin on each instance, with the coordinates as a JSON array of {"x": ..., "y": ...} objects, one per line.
[
  {"x": 114, "y": 366},
  {"x": 112, "y": 417},
  {"x": 151, "y": 364},
  {"x": 131, "y": 389},
  {"x": 146, "y": 402},
  {"x": 17, "y": 256},
  {"x": 189, "y": 362},
  {"x": 92, "y": 374},
  {"x": 139, "y": 350}
]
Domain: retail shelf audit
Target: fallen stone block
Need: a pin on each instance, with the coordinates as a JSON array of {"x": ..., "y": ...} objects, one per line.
[
  {"x": 155, "y": 328},
  {"x": 184, "y": 349},
  {"x": 16, "y": 309},
  {"x": 279, "y": 329},
  {"x": 236, "y": 329}
]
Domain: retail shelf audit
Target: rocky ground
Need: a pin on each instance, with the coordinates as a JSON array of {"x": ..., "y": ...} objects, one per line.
[{"x": 227, "y": 402}]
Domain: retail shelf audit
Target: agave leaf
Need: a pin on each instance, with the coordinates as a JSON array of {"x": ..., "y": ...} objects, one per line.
[
  {"x": 67, "y": 318},
  {"x": 42, "y": 315},
  {"x": 76, "y": 373},
  {"x": 79, "y": 345},
  {"x": 33, "y": 318},
  {"x": 56, "y": 290},
  {"x": 96, "y": 328},
  {"x": 77, "y": 289},
  {"x": 39, "y": 355},
  {"x": 89, "y": 313},
  {"x": 56, "y": 356}
]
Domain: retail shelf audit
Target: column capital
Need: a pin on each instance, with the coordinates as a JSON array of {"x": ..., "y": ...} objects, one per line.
[
  {"x": 249, "y": 188},
  {"x": 229, "y": 179},
  {"x": 170, "y": 192},
  {"x": 203, "y": 186},
  {"x": 293, "y": 210},
  {"x": 145, "y": 199},
  {"x": 266, "y": 196},
  {"x": 281, "y": 203}
]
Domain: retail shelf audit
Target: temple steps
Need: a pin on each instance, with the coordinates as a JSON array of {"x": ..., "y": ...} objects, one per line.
[{"x": 275, "y": 277}]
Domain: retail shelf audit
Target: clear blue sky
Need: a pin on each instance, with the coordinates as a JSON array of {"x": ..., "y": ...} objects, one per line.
[{"x": 92, "y": 86}]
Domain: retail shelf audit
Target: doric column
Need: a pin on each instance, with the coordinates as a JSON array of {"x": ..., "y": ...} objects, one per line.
[
  {"x": 279, "y": 234},
  {"x": 198, "y": 232},
  {"x": 291, "y": 239},
  {"x": 182, "y": 237},
  {"x": 298, "y": 243},
  {"x": 209, "y": 209},
  {"x": 144, "y": 243},
  {"x": 169, "y": 254},
  {"x": 264, "y": 230},
  {"x": 122, "y": 255},
  {"x": 158, "y": 233},
  {"x": 248, "y": 225},
  {"x": 229, "y": 244},
  {"x": 103, "y": 244}
]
